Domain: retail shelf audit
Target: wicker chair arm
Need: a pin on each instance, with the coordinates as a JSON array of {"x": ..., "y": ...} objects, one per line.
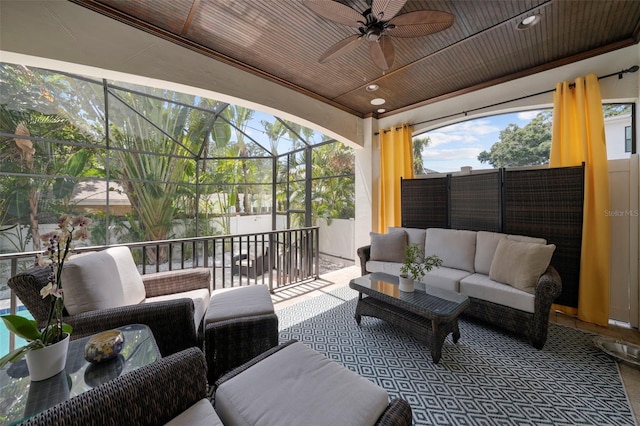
[
  {"x": 397, "y": 413},
  {"x": 364, "y": 253},
  {"x": 171, "y": 322},
  {"x": 150, "y": 395},
  {"x": 170, "y": 282},
  {"x": 232, "y": 342},
  {"x": 548, "y": 288}
]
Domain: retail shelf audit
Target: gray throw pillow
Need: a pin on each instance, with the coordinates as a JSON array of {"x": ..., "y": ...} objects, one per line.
[
  {"x": 388, "y": 247},
  {"x": 520, "y": 264}
]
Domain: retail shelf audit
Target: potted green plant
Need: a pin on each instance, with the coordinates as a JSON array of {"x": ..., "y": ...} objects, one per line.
[
  {"x": 415, "y": 266},
  {"x": 47, "y": 346}
]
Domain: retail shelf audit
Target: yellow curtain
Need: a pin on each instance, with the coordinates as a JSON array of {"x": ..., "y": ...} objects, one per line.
[
  {"x": 578, "y": 136},
  {"x": 396, "y": 161}
]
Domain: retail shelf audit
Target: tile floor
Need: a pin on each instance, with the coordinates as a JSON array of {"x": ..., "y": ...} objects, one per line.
[{"x": 334, "y": 279}]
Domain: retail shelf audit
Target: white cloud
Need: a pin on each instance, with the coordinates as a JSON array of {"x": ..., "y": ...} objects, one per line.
[
  {"x": 470, "y": 153},
  {"x": 466, "y": 132},
  {"x": 528, "y": 115}
]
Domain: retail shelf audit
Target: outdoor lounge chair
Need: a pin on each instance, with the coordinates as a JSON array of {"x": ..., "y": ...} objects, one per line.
[
  {"x": 250, "y": 264},
  {"x": 171, "y": 303}
]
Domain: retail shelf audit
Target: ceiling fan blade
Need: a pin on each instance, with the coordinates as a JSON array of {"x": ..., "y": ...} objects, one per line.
[
  {"x": 384, "y": 10},
  {"x": 381, "y": 52},
  {"x": 336, "y": 12},
  {"x": 420, "y": 23},
  {"x": 340, "y": 48}
]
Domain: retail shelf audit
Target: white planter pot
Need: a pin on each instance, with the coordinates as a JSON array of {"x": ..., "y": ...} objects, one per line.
[
  {"x": 46, "y": 362},
  {"x": 406, "y": 284}
]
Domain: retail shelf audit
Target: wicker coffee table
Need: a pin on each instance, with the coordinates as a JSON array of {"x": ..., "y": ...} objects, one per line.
[{"x": 428, "y": 315}]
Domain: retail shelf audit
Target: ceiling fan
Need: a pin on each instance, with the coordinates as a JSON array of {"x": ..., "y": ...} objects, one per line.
[{"x": 377, "y": 25}]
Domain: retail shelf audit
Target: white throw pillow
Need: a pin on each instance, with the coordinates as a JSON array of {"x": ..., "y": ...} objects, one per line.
[
  {"x": 101, "y": 280},
  {"x": 520, "y": 264},
  {"x": 389, "y": 247}
]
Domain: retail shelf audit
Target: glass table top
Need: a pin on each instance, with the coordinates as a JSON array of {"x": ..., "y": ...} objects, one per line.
[
  {"x": 431, "y": 300},
  {"x": 21, "y": 398}
]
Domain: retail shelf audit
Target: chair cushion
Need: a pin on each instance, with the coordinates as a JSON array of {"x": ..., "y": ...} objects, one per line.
[
  {"x": 389, "y": 247},
  {"x": 200, "y": 299},
  {"x": 456, "y": 248},
  {"x": 520, "y": 264},
  {"x": 101, "y": 280},
  {"x": 238, "y": 302},
  {"x": 200, "y": 413},
  {"x": 299, "y": 386}
]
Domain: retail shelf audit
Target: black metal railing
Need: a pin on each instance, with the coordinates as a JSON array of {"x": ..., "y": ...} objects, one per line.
[{"x": 274, "y": 258}]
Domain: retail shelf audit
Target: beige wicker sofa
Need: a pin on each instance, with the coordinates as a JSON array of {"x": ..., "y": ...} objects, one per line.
[
  {"x": 103, "y": 290},
  {"x": 508, "y": 278}
]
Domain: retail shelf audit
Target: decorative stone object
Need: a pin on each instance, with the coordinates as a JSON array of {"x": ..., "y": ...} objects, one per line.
[{"x": 104, "y": 346}]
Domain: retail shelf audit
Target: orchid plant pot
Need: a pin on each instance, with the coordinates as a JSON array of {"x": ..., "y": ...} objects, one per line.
[{"x": 46, "y": 362}]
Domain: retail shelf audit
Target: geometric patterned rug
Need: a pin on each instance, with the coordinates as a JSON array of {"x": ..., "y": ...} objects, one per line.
[{"x": 488, "y": 378}]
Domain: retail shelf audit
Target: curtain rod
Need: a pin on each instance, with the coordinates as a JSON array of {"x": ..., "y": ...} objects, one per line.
[{"x": 620, "y": 73}]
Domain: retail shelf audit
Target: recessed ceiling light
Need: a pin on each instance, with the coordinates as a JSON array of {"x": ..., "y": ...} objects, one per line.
[
  {"x": 377, "y": 101},
  {"x": 372, "y": 87},
  {"x": 381, "y": 110},
  {"x": 529, "y": 21}
]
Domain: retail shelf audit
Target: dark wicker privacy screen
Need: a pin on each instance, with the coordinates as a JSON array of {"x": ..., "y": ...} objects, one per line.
[
  {"x": 544, "y": 203},
  {"x": 425, "y": 203},
  {"x": 475, "y": 202}
]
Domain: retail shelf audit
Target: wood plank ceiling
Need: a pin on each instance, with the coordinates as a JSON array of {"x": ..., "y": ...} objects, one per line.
[{"x": 282, "y": 40}]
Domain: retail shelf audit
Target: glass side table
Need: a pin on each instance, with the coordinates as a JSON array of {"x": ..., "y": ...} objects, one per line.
[{"x": 21, "y": 398}]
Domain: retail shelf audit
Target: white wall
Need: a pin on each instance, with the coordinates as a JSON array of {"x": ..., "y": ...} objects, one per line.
[
  {"x": 337, "y": 239},
  {"x": 614, "y": 132},
  {"x": 624, "y": 216}
]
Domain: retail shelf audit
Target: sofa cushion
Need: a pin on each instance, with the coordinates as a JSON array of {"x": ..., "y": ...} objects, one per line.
[
  {"x": 456, "y": 248},
  {"x": 392, "y": 268},
  {"x": 299, "y": 386},
  {"x": 486, "y": 244},
  {"x": 200, "y": 299},
  {"x": 414, "y": 235},
  {"x": 200, "y": 413},
  {"x": 388, "y": 247},
  {"x": 101, "y": 280},
  {"x": 480, "y": 286},
  {"x": 445, "y": 278},
  {"x": 520, "y": 264}
]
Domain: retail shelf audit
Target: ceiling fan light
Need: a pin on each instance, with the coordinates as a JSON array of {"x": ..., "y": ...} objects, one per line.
[
  {"x": 373, "y": 35},
  {"x": 529, "y": 21}
]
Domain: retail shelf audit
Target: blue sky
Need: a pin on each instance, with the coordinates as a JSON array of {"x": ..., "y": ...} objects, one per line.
[{"x": 459, "y": 144}]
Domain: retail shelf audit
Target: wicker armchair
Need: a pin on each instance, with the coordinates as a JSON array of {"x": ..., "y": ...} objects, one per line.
[
  {"x": 151, "y": 395},
  {"x": 171, "y": 321}
]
